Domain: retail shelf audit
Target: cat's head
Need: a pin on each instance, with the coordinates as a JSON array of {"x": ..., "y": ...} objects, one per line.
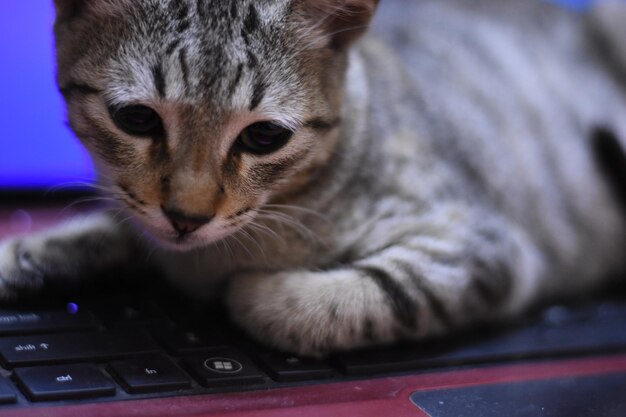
[{"x": 197, "y": 113}]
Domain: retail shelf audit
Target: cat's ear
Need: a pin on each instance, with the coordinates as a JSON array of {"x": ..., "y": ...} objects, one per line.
[
  {"x": 68, "y": 9},
  {"x": 334, "y": 23}
]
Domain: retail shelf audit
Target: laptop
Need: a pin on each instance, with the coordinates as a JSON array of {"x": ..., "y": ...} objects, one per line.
[{"x": 148, "y": 351}]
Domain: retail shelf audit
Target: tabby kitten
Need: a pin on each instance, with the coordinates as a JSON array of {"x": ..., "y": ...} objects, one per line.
[{"x": 343, "y": 190}]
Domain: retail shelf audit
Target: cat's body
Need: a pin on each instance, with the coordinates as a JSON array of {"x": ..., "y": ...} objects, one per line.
[{"x": 454, "y": 179}]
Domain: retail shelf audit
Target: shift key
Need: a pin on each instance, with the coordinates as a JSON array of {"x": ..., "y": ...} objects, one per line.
[{"x": 61, "y": 348}]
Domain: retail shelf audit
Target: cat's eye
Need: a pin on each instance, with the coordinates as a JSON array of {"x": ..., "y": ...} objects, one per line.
[
  {"x": 263, "y": 138},
  {"x": 137, "y": 120}
]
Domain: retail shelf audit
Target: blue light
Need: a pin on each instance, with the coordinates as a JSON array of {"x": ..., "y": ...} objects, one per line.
[
  {"x": 37, "y": 150},
  {"x": 72, "y": 308}
]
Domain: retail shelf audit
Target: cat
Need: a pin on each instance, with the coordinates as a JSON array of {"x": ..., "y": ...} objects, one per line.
[{"x": 338, "y": 187}]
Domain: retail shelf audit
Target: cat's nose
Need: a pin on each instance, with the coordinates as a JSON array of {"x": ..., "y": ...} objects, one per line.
[{"x": 185, "y": 223}]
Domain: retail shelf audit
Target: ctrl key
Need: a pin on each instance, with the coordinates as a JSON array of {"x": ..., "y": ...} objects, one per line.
[
  {"x": 7, "y": 395},
  {"x": 63, "y": 382}
]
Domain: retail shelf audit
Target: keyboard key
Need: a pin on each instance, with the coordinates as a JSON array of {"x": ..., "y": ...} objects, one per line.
[
  {"x": 191, "y": 316},
  {"x": 287, "y": 368},
  {"x": 149, "y": 375},
  {"x": 59, "y": 348},
  {"x": 7, "y": 395},
  {"x": 546, "y": 341},
  {"x": 183, "y": 342},
  {"x": 223, "y": 367},
  {"x": 539, "y": 341},
  {"x": 122, "y": 312},
  {"x": 49, "y": 321},
  {"x": 63, "y": 382},
  {"x": 560, "y": 315}
]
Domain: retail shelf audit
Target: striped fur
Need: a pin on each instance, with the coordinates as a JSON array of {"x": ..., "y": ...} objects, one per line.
[{"x": 440, "y": 174}]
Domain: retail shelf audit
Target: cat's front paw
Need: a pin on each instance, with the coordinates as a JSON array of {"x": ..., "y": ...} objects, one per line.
[
  {"x": 310, "y": 313},
  {"x": 19, "y": 273},
  {"x": 66, "y": 256}
]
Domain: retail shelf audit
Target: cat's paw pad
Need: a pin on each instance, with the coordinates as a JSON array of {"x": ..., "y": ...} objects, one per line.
[{"x": 19, "y": 272}]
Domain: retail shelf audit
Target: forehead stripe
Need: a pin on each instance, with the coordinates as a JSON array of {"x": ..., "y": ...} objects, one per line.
[
  {"x": 253, "y": 61},
  {"x": 252, "y": 22},
  {"x": 159, "y": 79},
  {"x": 257, "y": 94},
  {"x": 235, "y": 81},
  {"x": 182, "y": 60}
]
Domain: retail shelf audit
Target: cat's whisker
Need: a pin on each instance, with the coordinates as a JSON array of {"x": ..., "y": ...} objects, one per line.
[
  {"x": 221, "y": 246},
  {"x": 312, "y": 32},
  {"x": 146, "y": 242},
  {"x": 349, "y": 29},
  {"x": 298, "y": 208},
  {"x": 118, "y": 212},
  {"x": 284, "y": 221},
  {"x": 283, "y": 216},
  {"x": 230, "y": 249},
  {"x": 264, "y": 229},
  {"x": 62, "y": 186},
  {"x": 316, "y": 39},
  {"x": 151, "y": 249},
  {"x": 234, "y": 237},
  {"x": 114, "y": 211},
  {"x": 288, "y": 221},
  {"x": 87, "y": 200},
  {"x": 257, "y": 244},
  {"x": 74, "y": 184},
  {"x": 124, "y": 220}
]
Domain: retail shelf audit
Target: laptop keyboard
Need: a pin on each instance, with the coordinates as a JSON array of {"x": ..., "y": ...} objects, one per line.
[{"x": 129, "y": 347}]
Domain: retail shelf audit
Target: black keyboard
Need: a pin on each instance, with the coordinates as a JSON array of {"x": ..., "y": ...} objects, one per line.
[{"x": 118, "y": 348}]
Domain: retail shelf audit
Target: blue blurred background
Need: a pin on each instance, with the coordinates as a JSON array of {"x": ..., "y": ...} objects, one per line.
[{"x": 37, "y": 150}]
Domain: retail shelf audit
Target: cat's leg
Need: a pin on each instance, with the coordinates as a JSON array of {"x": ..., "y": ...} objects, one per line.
[
  {"x": 64, "y": 255},
  {"x": 418, "y": 286}
]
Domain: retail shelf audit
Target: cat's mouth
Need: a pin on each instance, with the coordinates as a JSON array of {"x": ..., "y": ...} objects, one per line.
[{"x": 182, "y": 243}]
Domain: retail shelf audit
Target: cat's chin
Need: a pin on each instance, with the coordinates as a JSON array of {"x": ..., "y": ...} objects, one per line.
[
  {"x": 184, "y": 243},
  {"x": 179, "y": 244}
]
